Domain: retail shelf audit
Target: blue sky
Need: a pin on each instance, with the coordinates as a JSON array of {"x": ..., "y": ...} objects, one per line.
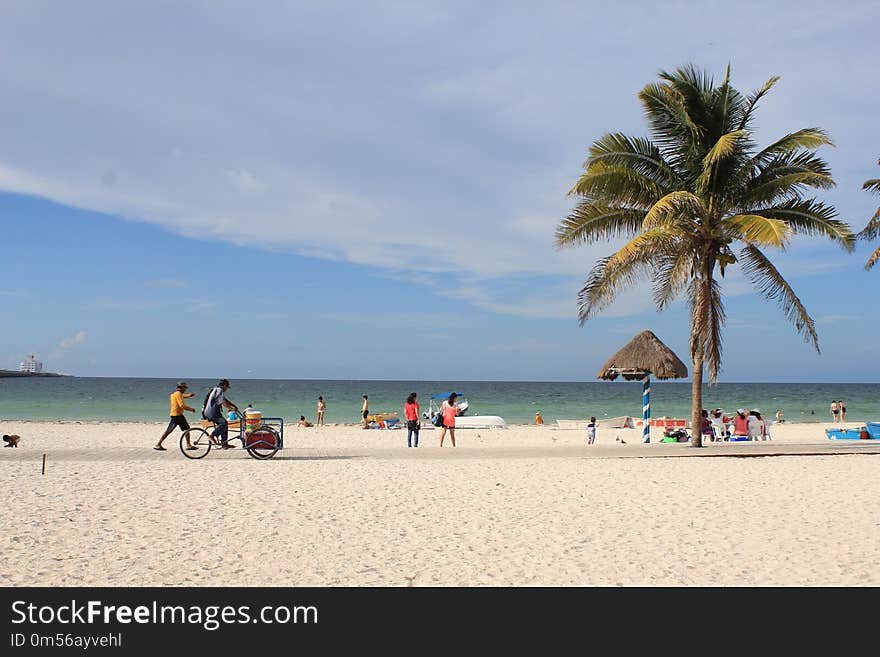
[{"x": 370, "y": 190}]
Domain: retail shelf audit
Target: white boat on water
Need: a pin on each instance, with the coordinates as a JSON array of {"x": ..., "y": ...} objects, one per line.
[{"x": 464, "y": 421}]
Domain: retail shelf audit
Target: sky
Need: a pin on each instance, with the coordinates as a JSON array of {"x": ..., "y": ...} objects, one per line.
[{"x": 370, "y": 190}]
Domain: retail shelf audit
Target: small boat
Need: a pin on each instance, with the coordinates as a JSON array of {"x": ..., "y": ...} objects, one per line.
[
  {"x": 871, "y": 431},
  {"x": 463, "y": 421}
]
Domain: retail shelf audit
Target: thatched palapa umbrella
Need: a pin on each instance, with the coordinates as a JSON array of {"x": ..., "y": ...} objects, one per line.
[{"x": 641, "y": 357}]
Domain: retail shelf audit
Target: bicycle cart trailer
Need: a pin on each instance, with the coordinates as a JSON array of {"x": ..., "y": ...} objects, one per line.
[{"x": 262, "y": 441}]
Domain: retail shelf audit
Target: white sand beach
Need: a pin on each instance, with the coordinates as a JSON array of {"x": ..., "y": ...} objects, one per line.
[{"x": 522, "y": 506}]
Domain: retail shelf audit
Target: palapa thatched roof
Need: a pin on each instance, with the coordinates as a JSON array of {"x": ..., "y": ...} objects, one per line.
[{"x": 644, "y": 353}]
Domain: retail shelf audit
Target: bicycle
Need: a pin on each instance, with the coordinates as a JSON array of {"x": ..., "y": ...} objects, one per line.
[{"x": 262, "y": 443}]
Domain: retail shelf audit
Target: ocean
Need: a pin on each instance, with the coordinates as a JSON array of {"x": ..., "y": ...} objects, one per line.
[{"x": 134, "y": 399}]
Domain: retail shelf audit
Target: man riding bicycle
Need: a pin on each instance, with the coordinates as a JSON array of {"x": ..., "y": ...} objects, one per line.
[{"x": 213, "y": 411}]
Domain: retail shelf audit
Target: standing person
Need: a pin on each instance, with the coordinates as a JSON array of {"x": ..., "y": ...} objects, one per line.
[
  {"x": 538, "y": 419},
  {"x": 411, "y": 414},
  {"x": 591, "y": 430},
  {"x": 835, "y": 409},
  {"x": 448, "y": 410},
  {"x": 841, "y": 407},
  {"x": 321, "y": 408},
  {"x": 365, "y": 411},
  {"x": 178, "y": 406},
  {"x": 213, "y": 411}
]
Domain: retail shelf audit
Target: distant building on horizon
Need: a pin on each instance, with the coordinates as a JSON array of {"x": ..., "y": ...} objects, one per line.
[{"x": 30, "y": 365}]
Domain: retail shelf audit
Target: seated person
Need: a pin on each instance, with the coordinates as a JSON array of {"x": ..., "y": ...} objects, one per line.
[
  {"x": 675, "y": 435},
  {"x": 706, "y": 428},
  {"x": 303, "y": 422},
  {"x": 741, "y": 424}
]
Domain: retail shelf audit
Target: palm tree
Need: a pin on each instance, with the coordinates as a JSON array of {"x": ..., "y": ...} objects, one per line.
[
  {"x": 697, "y": 197},
  {"x": 872, "y": 230}
]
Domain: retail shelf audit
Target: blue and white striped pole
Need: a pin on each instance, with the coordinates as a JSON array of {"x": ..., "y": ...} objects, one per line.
[{"x": 646, "y": 407}]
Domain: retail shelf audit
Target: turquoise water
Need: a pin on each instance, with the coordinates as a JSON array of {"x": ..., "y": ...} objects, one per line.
[{"x": 131, "y": 399}]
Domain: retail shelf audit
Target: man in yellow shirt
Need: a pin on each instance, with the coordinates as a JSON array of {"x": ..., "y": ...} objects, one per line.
[{"x": 178, "y": 406}]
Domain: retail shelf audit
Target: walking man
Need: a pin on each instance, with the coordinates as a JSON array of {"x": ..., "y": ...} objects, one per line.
[{"x": 178, "y": 406}]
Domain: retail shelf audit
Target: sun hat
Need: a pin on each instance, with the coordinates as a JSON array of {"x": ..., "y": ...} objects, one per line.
[
  {"x": 182, "y": 384},
  {"x": 740, "y": 410}
]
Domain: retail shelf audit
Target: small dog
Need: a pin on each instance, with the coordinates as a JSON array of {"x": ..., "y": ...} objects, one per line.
[{"x": 11, "y": 441}]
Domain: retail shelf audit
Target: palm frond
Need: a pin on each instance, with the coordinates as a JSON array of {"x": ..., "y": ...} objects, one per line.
[
  {"x": 766, "y": 278},
  {"x": 873, "y": 259},
  {"x": 872, "y": 185},
  {"x": 811, "y": 217},
  {"x": 603, "y": 283},
  {"x": 785, "y": 187},
  {"x": 672, "y": 274},
  {"x": 768, "y": 182},
  {"x": 671, "y": 126},
  {"x": 648, "y": 244},
  {"x": 707, "y": 322},
  {"x": 618, "y": 185},
  {"x": 673, "y": 208},
  {"x": 805, "y": 139},
  {"x": 756, "y": 229},
  {"x": 724, "y": 147},
  {"x": 617, "y": 149},
  {"x": 593, "y": 222},
  {"x": 622, "y": 270},
  {"x": 753, "y": 99}
]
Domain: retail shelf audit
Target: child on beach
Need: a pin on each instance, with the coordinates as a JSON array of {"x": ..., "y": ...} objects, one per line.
[
  {"x": 11, "y": 440},
  {"x": 591, "y": 431}
]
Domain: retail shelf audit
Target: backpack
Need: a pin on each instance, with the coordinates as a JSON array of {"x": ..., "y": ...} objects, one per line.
[
  {"x": 437, "y": 420},
  {"x": 213, "y": 408}
]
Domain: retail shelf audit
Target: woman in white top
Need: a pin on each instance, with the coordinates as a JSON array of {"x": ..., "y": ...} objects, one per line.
[
  {"x": 718, "y": 424},
  {"x": 756, "y": 426}
]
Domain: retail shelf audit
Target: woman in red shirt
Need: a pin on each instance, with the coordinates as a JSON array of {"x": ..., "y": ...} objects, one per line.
[
  {"x": 449, "y": 410},
  {"x": 411, "y": 413},
  {"x": 740, "y": 423}
]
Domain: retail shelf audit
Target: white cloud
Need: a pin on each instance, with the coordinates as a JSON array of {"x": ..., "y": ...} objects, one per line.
[
  {"x": 73, "y": 340},
  {"x": 245, "y": 181},
  {"x": 414, "y": 138}
]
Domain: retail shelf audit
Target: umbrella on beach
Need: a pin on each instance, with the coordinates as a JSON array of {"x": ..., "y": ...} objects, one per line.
[{"x": 639, "y": 358}]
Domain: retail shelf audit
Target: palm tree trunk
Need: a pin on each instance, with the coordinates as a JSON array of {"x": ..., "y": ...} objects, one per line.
[
  {"x": 697, "y": 397},
  {"x": 699, "y": 330}
]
